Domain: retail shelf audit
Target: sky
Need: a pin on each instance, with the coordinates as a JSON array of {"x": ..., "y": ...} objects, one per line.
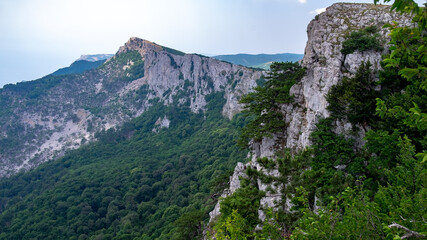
[{"x": 40, "y": 36}]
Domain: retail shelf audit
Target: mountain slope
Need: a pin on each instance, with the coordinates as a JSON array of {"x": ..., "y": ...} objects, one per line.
[
  {"x": 152, "y": 140},
  {"x": 259, "y": 60},
  {"x": 343, "y": 161},
  {"x": 79, "y": 66},
  {"x": 43, "y": 119},
  {"x": 134, "y": 183}
]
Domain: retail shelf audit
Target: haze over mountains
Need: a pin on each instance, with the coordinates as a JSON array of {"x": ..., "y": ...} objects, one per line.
[
  {"x": 259, "y": 60},
  {"x": 149, "y": 114},
  {"x": 263, "y": 61},
  {"x": 142, "y": 144},
  {"x": 42, "y": 118}
]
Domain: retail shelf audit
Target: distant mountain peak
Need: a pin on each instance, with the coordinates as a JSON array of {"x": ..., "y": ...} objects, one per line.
[
  {"x": 94, "y": 57},
  {"x": 143, "y": 46},
  {"x": 262, "y": 61},
  {"x": 139, "y": 44}
]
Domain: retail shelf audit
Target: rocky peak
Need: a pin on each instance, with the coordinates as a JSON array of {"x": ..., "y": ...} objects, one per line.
[
  {"x": 140, "y": 45},
  {"x": 66, "y": 111},
  {"x": 325, "y": 66}
]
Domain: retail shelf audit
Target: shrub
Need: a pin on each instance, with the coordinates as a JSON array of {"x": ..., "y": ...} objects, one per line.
[{"x": 363, "y": 40}]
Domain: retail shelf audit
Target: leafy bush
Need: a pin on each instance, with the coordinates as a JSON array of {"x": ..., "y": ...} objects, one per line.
[
  {"x": 263, "y": 105},
  {"x": 353, "y": 99},
  {"x": 363, "y": 40}
]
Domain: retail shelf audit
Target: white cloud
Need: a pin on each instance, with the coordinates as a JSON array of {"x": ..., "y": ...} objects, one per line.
[
  {"x": 318, "y": 11},
  {"x": 302, "y": 1}
]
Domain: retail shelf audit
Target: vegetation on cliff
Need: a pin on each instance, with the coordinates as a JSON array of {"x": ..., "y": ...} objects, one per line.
[
  {"x": 263, "y": 105},
  {"x": 341, "y": 189},
  {"x": 141, "y": 181},
  {"x": 134, "y": 183}
]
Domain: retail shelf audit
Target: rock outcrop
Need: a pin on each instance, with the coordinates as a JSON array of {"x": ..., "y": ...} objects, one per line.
[
  {"x": 325, "y": 66},
  {"x": 42, "y": 119}
]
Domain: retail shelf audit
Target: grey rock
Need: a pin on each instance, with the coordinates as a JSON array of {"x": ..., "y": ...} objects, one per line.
[
  {"x": 326, "y": 66},
  {"x": 81, "y": 105}
]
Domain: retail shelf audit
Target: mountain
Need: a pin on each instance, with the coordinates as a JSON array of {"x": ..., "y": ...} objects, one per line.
[
  {"x": 143, "y": 146},
  {"x": 259, "y": 60},
  {"x": 84, "y": 63},
  {"x": 94, "y": 57},
  {"x": 335, "y": 155},
  {"x": 79, "y": 66},
  {"x": 262, "y": 61},
  {"x": 132, "y": 183},
  {"x": 133, "y": 145},
  {"x": 42, "y": 119}
]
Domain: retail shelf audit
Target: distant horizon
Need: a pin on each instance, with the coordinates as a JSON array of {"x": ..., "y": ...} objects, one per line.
[
  {"x": 211, "y": 56},
  {"x": 41, "y": 36},
  {"x": 91, "y": 54}
]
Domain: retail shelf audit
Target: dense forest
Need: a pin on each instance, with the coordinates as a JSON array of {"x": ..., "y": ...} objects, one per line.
[
  {"x": 337, "y": 188},
  {"x": 137, "y": 182},
  {"x": 147, "y": 180}
]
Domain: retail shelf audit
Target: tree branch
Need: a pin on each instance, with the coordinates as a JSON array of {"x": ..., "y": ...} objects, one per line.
[{"x": 409, "y": 233}]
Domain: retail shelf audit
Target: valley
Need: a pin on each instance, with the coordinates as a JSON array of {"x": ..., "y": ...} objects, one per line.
[{"x": 154, "y": 143}]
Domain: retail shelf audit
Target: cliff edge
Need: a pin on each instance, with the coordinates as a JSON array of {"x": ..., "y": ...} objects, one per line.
[{"x": 325, "y": 66}]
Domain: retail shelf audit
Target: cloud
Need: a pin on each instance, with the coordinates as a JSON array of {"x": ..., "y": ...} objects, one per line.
[
  {"x": 318, "y": 11},
  {"x": 302, "y": 1}
]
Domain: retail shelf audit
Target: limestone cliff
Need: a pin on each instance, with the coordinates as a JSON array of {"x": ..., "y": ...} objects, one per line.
[
  {"x": 325, "y": 66},
  {"x": 42, "y": 119}
]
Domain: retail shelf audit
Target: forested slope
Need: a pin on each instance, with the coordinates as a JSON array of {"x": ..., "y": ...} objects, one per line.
[
  {"x": 363, "y": 173},
  {"x": 134, "y": 183}
]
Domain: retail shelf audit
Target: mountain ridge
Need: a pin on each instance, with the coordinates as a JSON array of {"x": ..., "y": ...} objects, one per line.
[
  {"x": 164, "y": 144},
  {"x": 259, "y": 60},
  {"x": 79, "y": 66},
  {"x": 326, "y": 66},
  {"x": 119, "y": 90}
]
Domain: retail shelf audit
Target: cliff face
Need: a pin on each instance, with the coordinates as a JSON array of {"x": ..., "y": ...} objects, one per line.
[
  {"x": 325, "y": 66},
  {"x": 42, "y": 119}
]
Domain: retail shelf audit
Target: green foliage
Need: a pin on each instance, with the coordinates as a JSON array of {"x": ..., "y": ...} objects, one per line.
[
  {"x": 353, "y": 215},
  {"x": 35, "y": 89},
  {"x": 190, "y": 225},
  {"x": 390, "y": 168},
  {"x": 136, "y": 69},
  {"x": 233, "y": 227},
  {"x": 263, "y": 105},
  {"x": 395, "y": 145},
  {"x": 402, "y": 107},
  {"x": 246, "y": 201},
  {"x": 408, "y": 6},
  {"x": 125, "y": 67},
  {"x": 79, "y": 67},
  {"x": 132, "y": 183},
  {"x": 329, "y": 149},
  {"x": 403, "y": 198},
  {"x": 349, "y": 215},
  {"x": 353, "y": 99},
  {"x": 271, "y": 228},
  {"x": 407, "y": 62},
  {"x": 362, "y": 40},
  {"x": 329, "y": 153}
]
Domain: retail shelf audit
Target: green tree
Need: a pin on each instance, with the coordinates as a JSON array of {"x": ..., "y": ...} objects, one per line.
[
  {"x": 363, "y": 40},
  {"x": 263, "y": 105},
  {"x": 353, "y": 99},
  {"x": 190, "y": 225},
  {"x": 235, "y": 227}
]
